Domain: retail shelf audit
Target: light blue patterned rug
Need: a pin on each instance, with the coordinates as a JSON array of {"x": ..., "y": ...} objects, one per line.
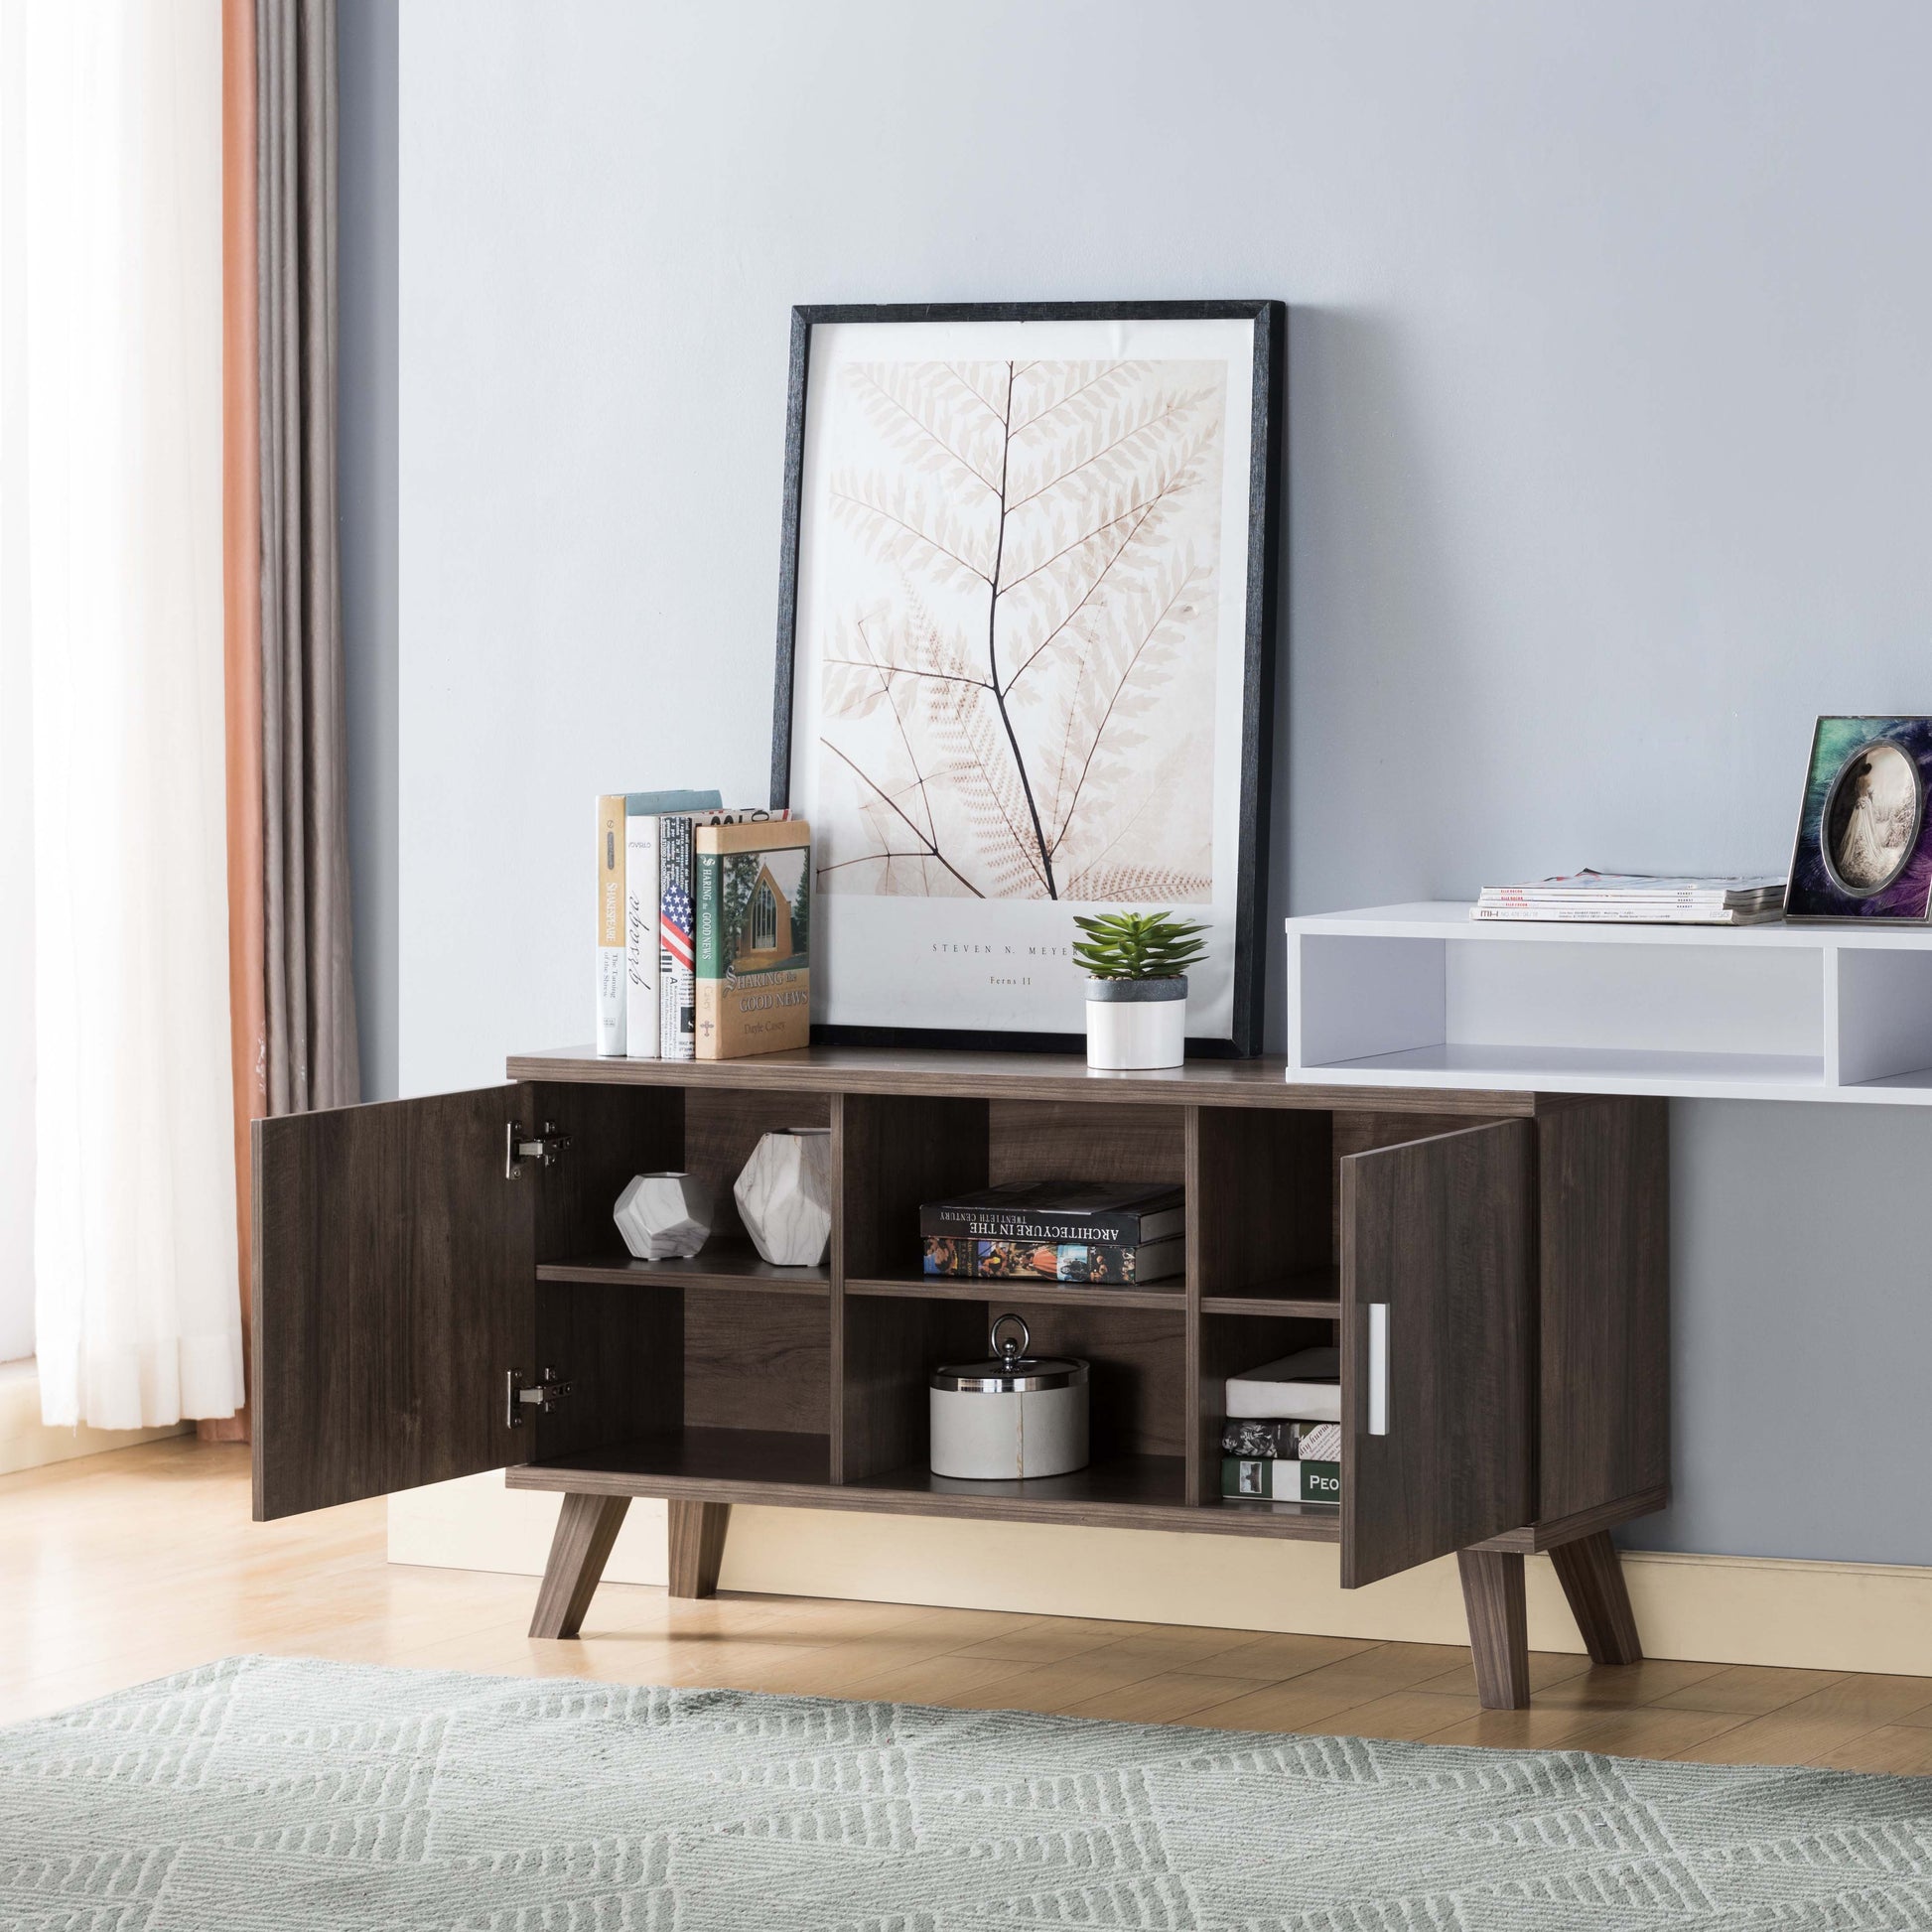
[{"x": 260, "y": 1795}]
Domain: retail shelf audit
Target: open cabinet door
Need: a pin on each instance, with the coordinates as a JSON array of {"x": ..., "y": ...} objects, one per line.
[
  {"x": 1437, "y": 1264},
  {"x": 395, "y": 1281}
]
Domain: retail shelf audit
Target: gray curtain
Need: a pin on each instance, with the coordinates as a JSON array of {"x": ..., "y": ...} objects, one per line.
[{"x": 310, "y": 991}]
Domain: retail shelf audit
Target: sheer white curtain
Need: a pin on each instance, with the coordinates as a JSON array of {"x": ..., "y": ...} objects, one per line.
[{"x": 137, "y": 1315}]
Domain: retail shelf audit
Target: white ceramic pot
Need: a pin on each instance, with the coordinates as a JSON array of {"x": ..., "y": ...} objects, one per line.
[
  {"x": 784, "y": 1196},
  {"x": 1133, "y": 1023},
  {"x": 1012, "y": 1416},
  {"x": 663, "y": 1216}
]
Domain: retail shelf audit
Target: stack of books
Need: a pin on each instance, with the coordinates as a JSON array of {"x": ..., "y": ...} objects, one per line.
[
  {"x": 1643, "y": 898},
  {"x": 1058, "y": 1231},
  {"x": 1281, "y": 1440},
  {"x": 703, "y": 927}
]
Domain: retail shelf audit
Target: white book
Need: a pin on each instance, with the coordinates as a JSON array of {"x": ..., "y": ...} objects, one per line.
[
  {"x": 1304, "y": 1387},
  {"x": 640, "y": 951},
  {"x": 643, "y": 950}
]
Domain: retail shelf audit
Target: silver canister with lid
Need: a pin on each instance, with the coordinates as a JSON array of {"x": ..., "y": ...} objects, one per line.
[{"x": 1013, "y": 1415}]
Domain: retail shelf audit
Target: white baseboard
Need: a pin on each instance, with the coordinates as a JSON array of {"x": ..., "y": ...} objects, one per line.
[
  {"x": 1719, "y": 1609},
  {"x": 26, "y": 1442}
]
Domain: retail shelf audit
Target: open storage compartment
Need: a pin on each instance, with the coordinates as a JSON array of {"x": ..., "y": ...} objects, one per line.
[
  {"x": 1427, "y": 996},
  {"x": 900, "y": 1151},
  {"x": 1406, "y": 1241},
  {"x": 716, "y": 1366},
  {"x": 705, "y": 1131},
  {"x": 899, "y": 1324}
]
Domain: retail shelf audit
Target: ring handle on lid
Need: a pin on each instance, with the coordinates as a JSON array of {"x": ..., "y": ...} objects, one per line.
[{"x": 1010, "y": 1352}]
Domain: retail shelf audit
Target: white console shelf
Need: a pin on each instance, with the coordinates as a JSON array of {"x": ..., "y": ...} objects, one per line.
[{"x": 1426, "y": 996}]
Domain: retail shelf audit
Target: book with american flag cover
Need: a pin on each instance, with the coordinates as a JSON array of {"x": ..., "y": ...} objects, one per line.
[{"x": 677, "y": 988}]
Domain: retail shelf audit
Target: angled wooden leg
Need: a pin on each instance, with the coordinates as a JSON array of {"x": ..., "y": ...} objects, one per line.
[
  {"x": 586, "y": 1530},
  {"x": 1499, "y": 1632},
  {"x": 1591, "y": 1574},
  {"x": 697, "y": 1547}
]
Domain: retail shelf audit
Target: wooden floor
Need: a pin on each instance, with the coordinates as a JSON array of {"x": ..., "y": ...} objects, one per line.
[{"x": 121, "y": 1568}]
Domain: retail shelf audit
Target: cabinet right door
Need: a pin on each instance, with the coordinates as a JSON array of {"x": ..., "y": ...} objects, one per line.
[{"x": 1438, "y": 1270}]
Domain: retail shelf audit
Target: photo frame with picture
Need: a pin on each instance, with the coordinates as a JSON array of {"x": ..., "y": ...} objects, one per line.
[
  {"x": 1863, "y": 849},
  {"x": 1028, "y": 593}
]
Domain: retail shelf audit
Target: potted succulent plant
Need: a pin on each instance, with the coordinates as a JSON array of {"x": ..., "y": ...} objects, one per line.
[{"x": 1137, "y": 991}]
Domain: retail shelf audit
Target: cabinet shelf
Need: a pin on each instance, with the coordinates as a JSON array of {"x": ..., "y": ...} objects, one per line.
[
  {"x": 1425, "y": 997},
  {"x": 1318, "y": 1522},
  {"x": 1311, "y": 1293},
  {"x": 678, "y": 1461},
  {"x": 1596, "y": 1070},
  {"x": 753, "y": 1466},
  {"x": 1108, "y": 1486},
  {"x": 1021, "y": 1288},
  {"x": 726, "y": 1264}
]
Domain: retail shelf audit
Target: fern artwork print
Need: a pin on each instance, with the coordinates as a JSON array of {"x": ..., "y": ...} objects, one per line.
[{"x": 1026, "y": 651}]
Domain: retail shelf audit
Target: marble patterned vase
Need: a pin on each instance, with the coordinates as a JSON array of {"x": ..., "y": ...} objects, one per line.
[
  {"x": 784, "y": 1195},
  {"x": 663, "y": 1216}
]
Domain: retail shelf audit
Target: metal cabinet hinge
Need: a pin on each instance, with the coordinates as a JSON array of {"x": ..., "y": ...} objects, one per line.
[
  {"x": 548, "y": 1391},
  {"x": 544, "y": 1149}
]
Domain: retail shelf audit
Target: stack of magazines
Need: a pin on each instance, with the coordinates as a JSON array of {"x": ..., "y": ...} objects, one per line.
[
  {"x": 1281, "y": 1440},
  {"x": 1644, "y": 897}
]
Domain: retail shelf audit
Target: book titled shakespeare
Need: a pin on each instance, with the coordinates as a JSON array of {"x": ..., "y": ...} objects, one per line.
[
  {"x": 754, "y": 937},
  {"x": 1127, "y": 1215}
]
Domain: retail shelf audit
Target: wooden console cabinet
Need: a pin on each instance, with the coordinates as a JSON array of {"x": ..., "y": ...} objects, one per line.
[{"x": 439, "y": 1290}]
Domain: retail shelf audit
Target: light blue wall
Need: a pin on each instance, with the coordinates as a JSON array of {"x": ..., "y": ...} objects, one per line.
[{"x": 1610, "y": 459}]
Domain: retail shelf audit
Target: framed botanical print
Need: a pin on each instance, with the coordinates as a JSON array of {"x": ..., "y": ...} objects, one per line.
[
  {"x": 1025, "y": 654},
  {"x": 1863, "y": 849}
]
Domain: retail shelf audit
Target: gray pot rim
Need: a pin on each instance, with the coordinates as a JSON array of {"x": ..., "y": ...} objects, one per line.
[{"x": 1137, "y": 991}]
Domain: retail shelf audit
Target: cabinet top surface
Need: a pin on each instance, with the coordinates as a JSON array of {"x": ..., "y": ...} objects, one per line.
[
  {"x": 929, "y": 1072},
  {"x": 1450, "y": 919}
]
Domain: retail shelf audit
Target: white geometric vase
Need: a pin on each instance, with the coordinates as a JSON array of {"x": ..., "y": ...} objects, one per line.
[
  {"x": 663, "y": 1216},
  {"x": 784, "y": 1195}
]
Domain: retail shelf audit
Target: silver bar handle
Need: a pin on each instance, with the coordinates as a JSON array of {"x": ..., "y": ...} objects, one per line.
[{"x": 1378, "y": 1368}]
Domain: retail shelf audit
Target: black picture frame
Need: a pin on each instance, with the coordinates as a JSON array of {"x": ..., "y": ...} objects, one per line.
[{"x": 1267, "y": 565}]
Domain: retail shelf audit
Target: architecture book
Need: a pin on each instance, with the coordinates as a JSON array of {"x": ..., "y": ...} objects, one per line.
[
  {"x": 1128, "y": 1213},
  {"x": 1056, "y": 1261},
  {"x": 642, "y": 972},
  {"x": 753, "y": 952}
]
